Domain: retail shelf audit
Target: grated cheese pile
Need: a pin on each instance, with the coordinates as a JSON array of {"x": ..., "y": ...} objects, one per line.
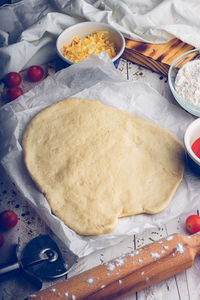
[{"x": 94, "y": 43}]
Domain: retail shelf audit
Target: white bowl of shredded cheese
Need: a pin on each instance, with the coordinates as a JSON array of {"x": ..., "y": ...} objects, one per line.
[
  {"x": 79, "y": 41},
  {"x": 184, "y": 81}
]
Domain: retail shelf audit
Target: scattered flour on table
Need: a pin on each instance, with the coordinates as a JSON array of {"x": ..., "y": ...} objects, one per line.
[
  {"x": 90, "y": 280},
  {"x": 180, "y": 248},
  {"x": 166, "y": 247},
  {"x": 119, "y": 262},
  {"x": 154, "y": 255},
  {"x": 187, "y": 82},
  {"x": 110, "y": 267}
]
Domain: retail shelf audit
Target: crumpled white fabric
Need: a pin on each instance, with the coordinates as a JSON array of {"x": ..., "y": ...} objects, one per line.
[{"x": 29, "y": 28}]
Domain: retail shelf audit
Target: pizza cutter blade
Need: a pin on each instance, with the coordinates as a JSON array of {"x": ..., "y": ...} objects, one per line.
[{"x": 40, "y": 259}]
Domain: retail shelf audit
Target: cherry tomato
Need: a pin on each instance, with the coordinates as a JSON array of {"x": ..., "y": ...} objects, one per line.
[
  {"x": 193, "y": 223},
  {"x": 14, "y": 93},
  {"x": 8, "y": 219},
  {"x": 1, "y": 240},
  {"x": 35, "y": 73},
  {"x": 13, "y": 79}
]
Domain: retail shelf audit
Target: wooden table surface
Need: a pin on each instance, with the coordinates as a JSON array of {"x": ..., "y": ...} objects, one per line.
[{"x": 184, "y": 286}]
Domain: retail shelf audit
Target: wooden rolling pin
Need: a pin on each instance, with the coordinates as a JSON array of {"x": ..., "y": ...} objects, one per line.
[{"x": 129, "y": 273}]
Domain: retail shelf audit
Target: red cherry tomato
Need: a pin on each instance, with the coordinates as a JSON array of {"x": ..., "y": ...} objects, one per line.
[
  {"x": 35, "y": 73},
  {"x": 1, "y": 240},
  {"x": 14, "y": 93},
  {"x": 13, "y": 79},
  {"x": 8, "y": 219},
  {"x": 193, "y": 223}
]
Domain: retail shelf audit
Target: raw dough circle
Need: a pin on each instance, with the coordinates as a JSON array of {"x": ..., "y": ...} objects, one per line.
[{"x": 96, "y": 163}]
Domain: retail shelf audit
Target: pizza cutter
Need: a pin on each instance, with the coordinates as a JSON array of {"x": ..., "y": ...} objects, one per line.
[
  {"x": 40, "y": 259},
  {"x": 129, "y": 273}
]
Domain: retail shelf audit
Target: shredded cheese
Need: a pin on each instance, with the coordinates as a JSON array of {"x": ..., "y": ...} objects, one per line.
[{"x": 94, "y": 43}]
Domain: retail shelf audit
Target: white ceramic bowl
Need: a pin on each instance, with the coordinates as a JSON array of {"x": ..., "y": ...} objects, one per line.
[
  {"x": 173, "y": 70},
  {"x": 84, "y": 29},
  {"x": 192, "y": 134}
]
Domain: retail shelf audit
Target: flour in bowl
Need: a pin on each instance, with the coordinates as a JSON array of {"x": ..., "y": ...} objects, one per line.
[{"x": 187, "y": 82}]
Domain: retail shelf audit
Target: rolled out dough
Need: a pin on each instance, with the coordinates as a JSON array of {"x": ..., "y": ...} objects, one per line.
[{"x": 96, "y": 163}]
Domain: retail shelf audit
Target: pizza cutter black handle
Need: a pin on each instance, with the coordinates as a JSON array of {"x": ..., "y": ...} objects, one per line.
[{"x": 9, "y": 269}]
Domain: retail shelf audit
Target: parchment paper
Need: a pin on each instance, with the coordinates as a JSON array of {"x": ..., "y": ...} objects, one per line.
[{"x": 94, "y": 78}]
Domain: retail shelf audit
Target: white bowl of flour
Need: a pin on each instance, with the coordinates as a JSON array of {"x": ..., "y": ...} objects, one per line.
[{"x": 184, "y": 81}]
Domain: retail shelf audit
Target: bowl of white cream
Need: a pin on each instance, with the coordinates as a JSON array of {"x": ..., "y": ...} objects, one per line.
[{"x": 184, "y": 81}]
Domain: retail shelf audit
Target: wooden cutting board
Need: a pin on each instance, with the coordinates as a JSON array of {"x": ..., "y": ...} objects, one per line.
[{"x": 156, "y": 57}]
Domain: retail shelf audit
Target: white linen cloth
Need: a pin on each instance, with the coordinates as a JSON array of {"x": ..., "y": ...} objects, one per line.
[{"x": 29, "y": 28}]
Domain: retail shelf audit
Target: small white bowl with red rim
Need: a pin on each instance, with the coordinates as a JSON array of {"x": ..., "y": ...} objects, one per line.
[{"x": 192, "y": 134}]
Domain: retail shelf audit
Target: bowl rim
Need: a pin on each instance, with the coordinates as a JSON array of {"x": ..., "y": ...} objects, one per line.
[
  {"x": 191, "y": 108},
  {"x": 80, "y": 24},
  {"x": 187, "y": 134}
]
